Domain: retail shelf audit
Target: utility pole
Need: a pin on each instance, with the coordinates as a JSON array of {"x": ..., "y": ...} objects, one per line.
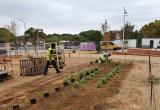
[
  {"x": 24, "y": 34},
  {"x": 124, "y": 20},
  {"x": 37, "y": 38}
]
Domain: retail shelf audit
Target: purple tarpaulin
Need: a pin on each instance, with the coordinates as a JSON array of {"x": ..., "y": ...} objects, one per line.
[{"x": 91, "y": 46}]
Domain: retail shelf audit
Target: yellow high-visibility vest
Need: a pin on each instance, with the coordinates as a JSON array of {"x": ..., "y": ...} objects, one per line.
[
  {"x": 48, "y": 54},
  {"x": 103, "y": 58}
]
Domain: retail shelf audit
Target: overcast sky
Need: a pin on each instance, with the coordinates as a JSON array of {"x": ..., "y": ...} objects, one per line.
[{"x": 74, "y": 16}]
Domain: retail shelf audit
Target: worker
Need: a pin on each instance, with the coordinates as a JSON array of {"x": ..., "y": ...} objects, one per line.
[
  {"x": 51, "y": 60},
  {"x": 103, "y": 58}
]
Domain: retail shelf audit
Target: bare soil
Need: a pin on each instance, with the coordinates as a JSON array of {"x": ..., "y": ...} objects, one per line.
[
  {"x": 128, "y": 91},
  {"x": 86, "y": 97}
]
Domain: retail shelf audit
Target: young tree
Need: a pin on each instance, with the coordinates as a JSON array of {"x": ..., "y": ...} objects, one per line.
[
  {"x": 128, "y": 31},
  {"x": 13, "y": 29},
  {"x": 104, "y": 27}
]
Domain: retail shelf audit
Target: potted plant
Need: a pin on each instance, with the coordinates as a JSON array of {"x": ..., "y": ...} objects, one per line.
[{"x": 65, "y": 82}]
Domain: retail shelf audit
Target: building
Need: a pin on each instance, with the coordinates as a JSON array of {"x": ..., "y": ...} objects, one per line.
[
  {"x": 150, "y": 42},
  {"x": 87, "y": 46},
  {"x": 113, "y": 35},
  {"x": 5, "y": 48},
  {"x": 130, "y": 43},
  {"x": 106, "y": 37}
]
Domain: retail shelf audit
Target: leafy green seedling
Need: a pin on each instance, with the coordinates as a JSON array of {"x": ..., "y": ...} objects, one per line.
[
  {"x": 96, "y": 69},
  {"x": 92, "y": 70},
  {"x": 82, "y": 81},
  {"x": 93, "y": 74},
  {"x": 76, "y": 84},
  {"x": 103, "y": 80},
  {"x": 87, "y": 73},
  {"x": 98, "y": 84},
  {"x": 65, "y": 81},
  {"x": 88, "y": 77}
]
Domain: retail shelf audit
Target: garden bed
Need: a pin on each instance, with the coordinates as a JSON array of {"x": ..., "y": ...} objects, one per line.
[{"x": 85, "y": 96}]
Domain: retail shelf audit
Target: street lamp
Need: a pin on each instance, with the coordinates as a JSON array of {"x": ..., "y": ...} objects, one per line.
[
  {"x": 125, "y": 14},
  {"x": 24, "y": 34}
]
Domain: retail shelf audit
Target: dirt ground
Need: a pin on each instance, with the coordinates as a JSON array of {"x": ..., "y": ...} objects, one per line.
[
  {"x": 87, "y": 96},
  {"x": 132, "y": 91}
]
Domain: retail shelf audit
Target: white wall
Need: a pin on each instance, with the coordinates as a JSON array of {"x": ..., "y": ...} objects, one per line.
[
  {"x": 131, "y": 43},
  {"x": 146, "y": 42}
]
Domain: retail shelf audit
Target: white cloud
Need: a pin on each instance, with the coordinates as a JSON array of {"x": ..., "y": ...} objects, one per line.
[{"x": 73, "y": 16}]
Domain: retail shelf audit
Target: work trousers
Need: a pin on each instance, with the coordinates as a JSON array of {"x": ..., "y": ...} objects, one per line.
[{"x": 54, "y": 63}]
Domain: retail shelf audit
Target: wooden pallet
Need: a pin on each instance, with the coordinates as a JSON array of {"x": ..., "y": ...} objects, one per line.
[
  {"x": 32, "y": 66},
  {"x": 6, "y": 71}
]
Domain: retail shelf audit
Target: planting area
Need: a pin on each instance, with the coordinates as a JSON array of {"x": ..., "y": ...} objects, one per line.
[
  {"x": 87, "y": 95},
  {"x": 117, "y": 85}
]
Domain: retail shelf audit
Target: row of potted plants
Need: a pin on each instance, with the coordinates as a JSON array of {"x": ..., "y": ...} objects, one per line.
[
  {"x": 81, "y": 77},
  {"x": 108, "y": 76}
]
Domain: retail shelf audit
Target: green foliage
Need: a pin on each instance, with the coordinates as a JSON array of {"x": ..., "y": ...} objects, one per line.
[
  {"x": 33, "y": 33},
  {"x": 5, "y": 35},
  {"x": 87, "y": 73},
  {"x": 91, "y": 35},
  {"x": 151, "y": 30},
  {"x": 58, "y": 37},
  {"x": 93, "y": 74},
  {"x": 92, "y": 70},
  {"x": 108, "y": 76},
  {"x": 2, "y": 40},
  {"x": 103, "y": 80},
  {"x": 76, "y": 84},
  {"x": 96, "y": 69},
  {"x": 51, "y": 39},
  {"x": 82, "y": 81},
  {"x": 129, "y": 31},
  {"x": 81, "y": 77},
  {"x": 98, "y": 84},
  {"x": 88, "y": 77}
]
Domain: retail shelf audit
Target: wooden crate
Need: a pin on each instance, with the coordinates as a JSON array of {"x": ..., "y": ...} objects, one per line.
[{"x": 32, "y": 66}]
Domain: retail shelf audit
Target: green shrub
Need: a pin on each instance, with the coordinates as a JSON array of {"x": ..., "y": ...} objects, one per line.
[
  {"x": 96, "y": 69},
  {"x": 92, "y": 70},
  {"x": 110, "y": 74},
  {"x": 103, "y": 80},
  {"x": 87, "y": 73},
  {"x": 82, "y": 81},
  {"x": 88, "y": 77},
  {"x": 76, "y": 84},
  {"x": 93, "y": 74}
]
